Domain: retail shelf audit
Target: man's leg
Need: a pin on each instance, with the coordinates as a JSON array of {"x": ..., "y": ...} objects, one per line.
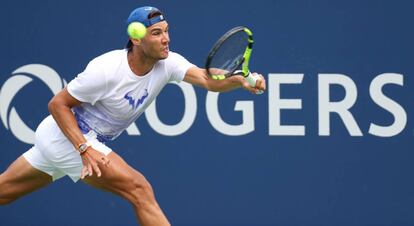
[
  {"x": 120, "y": 178},
  {"x": 20, "y": 179}
]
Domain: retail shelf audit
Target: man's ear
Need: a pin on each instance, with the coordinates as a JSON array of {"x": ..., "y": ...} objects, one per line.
[{"x": 136, "y": 42}]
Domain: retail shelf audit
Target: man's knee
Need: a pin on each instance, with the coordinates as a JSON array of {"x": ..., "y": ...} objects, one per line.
[{"x": 141, "y": 193}]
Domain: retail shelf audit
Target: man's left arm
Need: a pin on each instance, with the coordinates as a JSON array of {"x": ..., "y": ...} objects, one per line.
[{"x": 199, "y": 77}]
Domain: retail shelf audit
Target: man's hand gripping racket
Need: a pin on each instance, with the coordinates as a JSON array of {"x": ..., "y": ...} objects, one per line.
[{"x": 230, "y": 56}]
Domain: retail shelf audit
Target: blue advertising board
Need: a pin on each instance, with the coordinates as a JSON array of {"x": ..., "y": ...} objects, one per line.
[{"x": 329, "y": 143}]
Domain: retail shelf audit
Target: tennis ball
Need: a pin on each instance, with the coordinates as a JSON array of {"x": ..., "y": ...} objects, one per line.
[{"x": 136, "y": 30}]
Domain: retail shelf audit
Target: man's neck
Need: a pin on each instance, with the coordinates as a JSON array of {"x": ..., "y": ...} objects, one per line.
[{"x": 139, "y": 63}]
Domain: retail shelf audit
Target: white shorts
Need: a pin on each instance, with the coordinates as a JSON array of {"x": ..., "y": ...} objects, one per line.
[{"x": 55, "y": 155}]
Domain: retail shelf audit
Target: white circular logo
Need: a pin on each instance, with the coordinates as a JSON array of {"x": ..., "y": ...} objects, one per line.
[{"x": 12, "y": 86}]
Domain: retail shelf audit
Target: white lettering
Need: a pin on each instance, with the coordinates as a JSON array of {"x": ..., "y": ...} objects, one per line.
[
  {"x": 186, "y": 122},
  {"x": 276, "y": 104},
  {"x": 400, "y": 116},
  {"x": 341, "y": 107},
  {"x": 213, "y": 115}
]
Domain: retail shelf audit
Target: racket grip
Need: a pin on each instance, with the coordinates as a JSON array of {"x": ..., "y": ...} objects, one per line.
[{"x": 251, "y": 79}]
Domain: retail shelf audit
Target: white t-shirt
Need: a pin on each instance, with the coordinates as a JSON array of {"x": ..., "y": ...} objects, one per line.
[{"x": 113, "y": 96}]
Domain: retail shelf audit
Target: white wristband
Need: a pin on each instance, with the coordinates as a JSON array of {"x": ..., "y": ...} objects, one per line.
[{"x": 251, "y": 79}]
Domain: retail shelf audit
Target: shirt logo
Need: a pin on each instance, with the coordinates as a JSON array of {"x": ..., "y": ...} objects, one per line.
[{"x": 135, "y": 103}]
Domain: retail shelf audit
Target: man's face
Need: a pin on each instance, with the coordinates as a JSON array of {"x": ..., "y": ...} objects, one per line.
[{"x": 155, "y": 43}]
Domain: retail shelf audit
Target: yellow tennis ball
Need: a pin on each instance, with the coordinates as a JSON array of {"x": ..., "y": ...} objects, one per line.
[{"x": 136, "y": 30}]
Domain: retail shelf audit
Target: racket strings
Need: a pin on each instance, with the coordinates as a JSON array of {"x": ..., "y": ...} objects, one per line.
[{"x": 229, "y": 56}]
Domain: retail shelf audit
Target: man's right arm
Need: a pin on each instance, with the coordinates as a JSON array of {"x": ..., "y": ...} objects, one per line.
[{"x": 60, "y": 108}]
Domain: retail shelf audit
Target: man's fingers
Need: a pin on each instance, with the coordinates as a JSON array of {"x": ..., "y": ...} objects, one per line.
[
  {"x": 263, "y": 82},
  {"x": 259, "y": 87},
  {"x": 253, "y": 90},
  {"x": 96, "y": 169},
  {"x": 260, "y": 83},
  {"x": 84, "y": 172},
  {"x": 90, "y": 169},
  {"x": 92, "y": 160}
]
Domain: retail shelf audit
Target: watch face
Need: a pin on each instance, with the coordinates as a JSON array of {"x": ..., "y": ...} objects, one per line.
[{"x": 83, "y": 147}]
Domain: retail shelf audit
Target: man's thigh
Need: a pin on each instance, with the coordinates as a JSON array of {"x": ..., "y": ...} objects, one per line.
[
  {"x": 21, "y": 178},
  {"x": 117, "y": 177}
]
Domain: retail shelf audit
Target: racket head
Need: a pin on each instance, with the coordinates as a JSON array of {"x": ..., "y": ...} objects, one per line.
[{"x": 229, "y": 53}]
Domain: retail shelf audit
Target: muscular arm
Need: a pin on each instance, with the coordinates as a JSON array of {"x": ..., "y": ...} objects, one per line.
[
  {"x": 199, "y": 77},
  {"x": 60, "y": 108}
]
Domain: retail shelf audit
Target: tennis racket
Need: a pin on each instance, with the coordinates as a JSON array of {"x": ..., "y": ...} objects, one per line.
[{"x": 230, "y": 56}]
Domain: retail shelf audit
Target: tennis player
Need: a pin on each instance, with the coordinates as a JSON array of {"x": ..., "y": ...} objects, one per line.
[{"x": 96, "y": 106}]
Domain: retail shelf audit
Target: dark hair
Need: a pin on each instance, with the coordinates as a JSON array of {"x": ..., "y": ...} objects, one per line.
[{"x": 154, "y": 13}]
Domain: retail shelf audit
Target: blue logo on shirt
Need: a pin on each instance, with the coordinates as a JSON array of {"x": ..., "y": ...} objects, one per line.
[{"x": 135, "y": 103}]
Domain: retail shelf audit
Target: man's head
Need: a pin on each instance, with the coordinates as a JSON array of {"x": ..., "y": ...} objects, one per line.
[
  {"x": 146, "y": 15},
  {"x": 155, "y": 43}
]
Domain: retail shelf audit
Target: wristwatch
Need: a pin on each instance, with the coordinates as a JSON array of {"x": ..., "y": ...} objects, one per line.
[{"x": 82, "y": 148}]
